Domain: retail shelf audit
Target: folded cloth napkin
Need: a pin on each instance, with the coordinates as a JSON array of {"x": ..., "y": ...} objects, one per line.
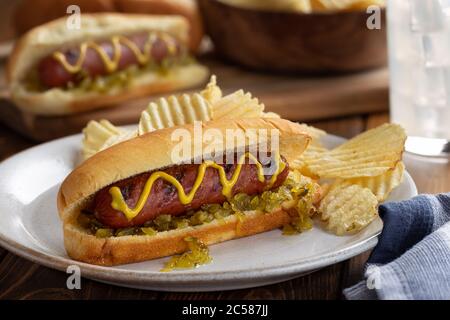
[{"x": 412, "y": 257}]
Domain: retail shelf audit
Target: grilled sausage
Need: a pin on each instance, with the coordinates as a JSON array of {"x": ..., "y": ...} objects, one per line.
[
  {"x": 163, "y": 198},
  {"x": 53, "y": 74}
]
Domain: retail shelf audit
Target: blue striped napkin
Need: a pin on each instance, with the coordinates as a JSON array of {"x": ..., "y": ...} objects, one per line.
[{"x": 412, "y": 257}]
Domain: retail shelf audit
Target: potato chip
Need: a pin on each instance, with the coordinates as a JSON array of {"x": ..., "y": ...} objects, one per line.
[
  {"x": 99, "y": 135},
  {"x": 306, "y": 6},
  {"x": 314, "y": 150},
  {"x": 324, "y": 5},
  {"x": 212, "y": 93},
  {"x": 333, "y": 5},
  {"x": 277, "y": 5},
  {"x": 208, "y": 105},
  {"x": 174, "y": 111},
  {"x": 237, "y": 105},
  {"x": 315, "y": 133},
  {"x": 96, "y": 133},
  {"x": 270, "y": 115},
  {"x": 381, "y": 186},
  {"x": 348, "y": 209},
  {"x": 369, "y": 154},
  {"x": 311, "y": 152},
  {"x": 124, "y": 136},
  {"x": 364, "y": 4}
]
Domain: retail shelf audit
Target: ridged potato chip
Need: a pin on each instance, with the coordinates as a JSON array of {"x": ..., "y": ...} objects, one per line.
[
  {"x": 184, "y": 109},
  {"x": 99, "y": 135},
  {"x": 270, "y": 115},
  {"x": 364, "y": 4},
  {"x": 332, "y": 5},
  {"x": 381, "y": 186},
  {"x": 124, "y": 136},
  {"x": 306, "y": 6},
  {"x": 212, "y": 93},
  {"x": 348, "y": 209},
  {"x": 277, "y": 5},
  {"x": 324, "y": 5},
  {"x": 210, "y": 104},
  {"x": 313, "y": 151},
  {"x": 96, "y": 133},
  {"x": 315, "y": 133},
  {"x": 237, "y": 105},
  {"x": 369, "y": 154},
  {"x": 174, "y": 111}
]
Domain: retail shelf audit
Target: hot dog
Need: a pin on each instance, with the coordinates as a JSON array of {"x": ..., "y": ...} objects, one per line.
[
  {"x": 111, "y": 58},
  {"x": 52, "y": 72},
  {"x": 26, "y": 19},
  {"x": 110, "y": 202},
  {"x": 164, "y": 198}
]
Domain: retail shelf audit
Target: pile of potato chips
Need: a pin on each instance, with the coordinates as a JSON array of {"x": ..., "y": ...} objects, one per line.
[
  {"x": 306, "y": 6},
  {"x": 209, "y": 104},
  {"x": 355, "y": 176},
  {"x": 99, "y": 135}
]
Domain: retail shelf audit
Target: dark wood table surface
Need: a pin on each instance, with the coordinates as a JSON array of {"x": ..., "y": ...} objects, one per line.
[{"x": 22, "y": 279}]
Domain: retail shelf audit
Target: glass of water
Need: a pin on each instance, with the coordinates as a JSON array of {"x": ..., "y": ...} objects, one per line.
[{"x": 419, "y": 61}]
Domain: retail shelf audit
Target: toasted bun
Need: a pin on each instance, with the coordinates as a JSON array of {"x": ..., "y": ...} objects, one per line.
[
  {"x": 26, "y": 19},
  {"x": 60, "y": 102},
  {"x": 47, "y": 38},
  {"x": 31, "y": 13},
  {"x": 185, "y": 8},
  {"x": 134, "y": 157},
  {"x": 129, "y": 249},
  {"x": 138, "y": 155}
]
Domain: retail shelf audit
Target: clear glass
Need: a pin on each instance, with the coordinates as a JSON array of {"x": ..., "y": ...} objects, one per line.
[{"x": 419, "y": 61}]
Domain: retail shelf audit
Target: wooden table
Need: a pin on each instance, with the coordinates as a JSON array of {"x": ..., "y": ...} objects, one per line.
[{"x": 21, "y": 279}]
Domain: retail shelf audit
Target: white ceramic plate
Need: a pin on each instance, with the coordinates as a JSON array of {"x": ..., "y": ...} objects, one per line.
[{"x": 30, "y": 227}]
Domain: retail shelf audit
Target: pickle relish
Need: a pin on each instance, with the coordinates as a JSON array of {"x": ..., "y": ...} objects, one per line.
[{"x": 295, "y": 194}]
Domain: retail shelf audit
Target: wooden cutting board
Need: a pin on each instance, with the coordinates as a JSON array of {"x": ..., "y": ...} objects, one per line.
[{"x": 299, "y": 98}]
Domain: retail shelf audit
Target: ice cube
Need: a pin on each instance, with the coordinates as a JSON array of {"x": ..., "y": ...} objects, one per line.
[
  {"x": 436, "y": 49},
  {"x": 430, "y": 87},
  {"x": 432, "y": 122},
  {"x": 445, "y": 4},
  {"x": 427, "y": 16}
]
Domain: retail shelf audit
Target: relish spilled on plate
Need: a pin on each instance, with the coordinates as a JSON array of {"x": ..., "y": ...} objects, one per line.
[{"x": 197, "y": 255}]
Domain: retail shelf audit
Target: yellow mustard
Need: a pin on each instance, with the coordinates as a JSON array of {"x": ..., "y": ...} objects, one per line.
[
  {"x": 111, "y": 64},
  {"x": 118, "y": 203}
]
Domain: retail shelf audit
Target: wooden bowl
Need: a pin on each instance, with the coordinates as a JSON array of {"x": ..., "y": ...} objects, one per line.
[{"x": 295, "y": 42}]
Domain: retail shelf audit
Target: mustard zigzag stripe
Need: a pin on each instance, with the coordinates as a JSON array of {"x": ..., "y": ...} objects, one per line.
[{"x": 118, "y": 203}]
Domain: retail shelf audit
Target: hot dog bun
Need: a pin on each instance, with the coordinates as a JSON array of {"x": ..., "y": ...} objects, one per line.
[
  {"x": 26, "y": 19},
  {"x": 185, "y": 8},
  {"x": 47, "y": 38},
  {"x": 129, "y": 249},
  {"x": 133, "y": 157},
  {"x": 32, "y": 13}
]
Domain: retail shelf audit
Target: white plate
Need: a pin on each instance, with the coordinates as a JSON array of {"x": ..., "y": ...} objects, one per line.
[{"x": 30, "y": 227}]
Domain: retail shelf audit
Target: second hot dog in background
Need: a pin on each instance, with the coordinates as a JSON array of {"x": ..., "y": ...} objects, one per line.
[
  {"x": 110, "y": 59},
  {"x": 185, "y": 8},
  {"x": 26, "y": 19},
  {"x": 88, "y": 60}
]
